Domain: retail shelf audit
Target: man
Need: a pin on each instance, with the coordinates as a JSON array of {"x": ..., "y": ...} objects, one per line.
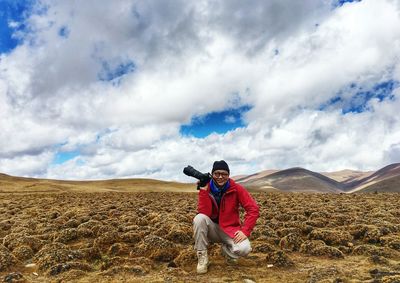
[{"x": 218, "y": 217}]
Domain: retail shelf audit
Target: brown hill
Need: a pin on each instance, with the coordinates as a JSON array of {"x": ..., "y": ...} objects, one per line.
[
  {"x": 299, "y": 179},
  {"x": 389, "y": 185},
  {"x": 383, "y": 180},
  {"x": 246, "y": 178},
  {"x": 12, "y": 184},
  {"x": 347, "y": 176},
  {"x": 294, "y": 180}
]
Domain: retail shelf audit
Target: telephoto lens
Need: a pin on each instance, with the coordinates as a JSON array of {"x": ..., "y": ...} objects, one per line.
[
  {"x": 204, "y": 178},
  {"x": 190, "y": 171}
]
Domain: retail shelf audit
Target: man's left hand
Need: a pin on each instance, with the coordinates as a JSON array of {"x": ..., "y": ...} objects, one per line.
[{"x": 239, "y": 237}]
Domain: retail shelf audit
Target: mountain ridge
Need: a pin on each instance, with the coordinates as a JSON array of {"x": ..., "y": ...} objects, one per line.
[{"x": 296, "y": 179}]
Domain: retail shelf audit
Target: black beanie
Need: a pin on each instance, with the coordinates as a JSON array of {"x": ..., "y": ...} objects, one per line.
[{"x": 220, "y": 165}]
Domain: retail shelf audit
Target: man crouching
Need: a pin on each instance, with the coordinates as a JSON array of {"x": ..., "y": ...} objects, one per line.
[{"x": 218, "y": 218}]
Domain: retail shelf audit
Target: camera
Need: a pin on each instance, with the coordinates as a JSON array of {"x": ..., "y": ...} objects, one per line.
[{"x": 203, "y": 178}]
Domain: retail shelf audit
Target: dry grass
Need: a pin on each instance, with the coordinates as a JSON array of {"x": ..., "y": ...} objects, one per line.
[
  {"x": 147, "y": 237},
  {"x": 10, "y": 184}
]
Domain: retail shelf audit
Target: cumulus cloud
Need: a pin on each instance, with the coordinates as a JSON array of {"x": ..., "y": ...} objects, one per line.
[{"x": 116, "y": 81}]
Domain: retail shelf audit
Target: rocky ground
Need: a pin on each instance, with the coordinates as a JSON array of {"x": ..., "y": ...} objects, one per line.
[{"x": 147, "y": 237}]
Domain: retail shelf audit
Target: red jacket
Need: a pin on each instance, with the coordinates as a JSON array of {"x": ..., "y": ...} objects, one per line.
[{"x": 229, "y": 220}]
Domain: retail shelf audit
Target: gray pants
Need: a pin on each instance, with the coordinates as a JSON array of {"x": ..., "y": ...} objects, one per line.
[{"x": 206, "y": 231}]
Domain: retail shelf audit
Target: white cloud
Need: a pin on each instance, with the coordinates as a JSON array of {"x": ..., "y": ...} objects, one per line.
[
  {"x": 192, "y": 58},
  {"x": 27, "y": 165},
  {"x": 230, "y": 119}
]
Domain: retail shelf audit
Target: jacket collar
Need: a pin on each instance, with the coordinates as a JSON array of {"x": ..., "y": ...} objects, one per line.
[
  {"x": 232, "y": 186},
  {"x": 214, "y": 189}
]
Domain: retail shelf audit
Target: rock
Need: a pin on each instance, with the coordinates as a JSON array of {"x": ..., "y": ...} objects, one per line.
[
  {"x": 186, "y": 257},
  {"x": 319, "y": 223},
  {"x": 90, "y": 254},
  {"x": 118, "y": 249},
  {"x": 280, "y": 259},
  {"x": 107, "y": 239},
  {"x": 373, "y": 250},
  {"x": 180, "y": 236},
  {"x": 62, "y": 267},
  {"x": 331, "y": 237},
  {"x": 31, "y": 265},
  {"x": 172, "y": 264},
  {"x": 131, "y": 237},
  {"x": 67, "y": 235},
  {"x": 54, "y": 214},
  {"x": 53, "y": 254},
  {"x": 14, "y": 240},
  {"x": 286, "y": 231},
  {"x": 291, "y": 242},
  {"x": 395, "y": 245},
  {"x": 72, "y": 223},
  {"x": 14, "y": 277},
  {"x": 373, "y": 235},
  {"x": 5, "y": 225},
  {"x": 318, "y": 248},
  {"x": 159, "y": 248},
  {"x": 380, "y": 273},
  {"x": 263, "y": 248},
  {"x": 6, "y": 259},
  {"x": 83, "y": 232},
  {"x": 91, "y": 225},
  {"x": 379, "y": 260}
]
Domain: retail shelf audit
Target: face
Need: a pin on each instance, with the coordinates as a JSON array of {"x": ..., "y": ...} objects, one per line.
[{"x": 220, "y": 177}]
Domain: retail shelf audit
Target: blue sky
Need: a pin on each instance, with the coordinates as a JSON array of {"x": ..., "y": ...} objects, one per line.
[
  {"x": 361, "y": 97},
  {"x": 10, "y": 11},
  {"x": 215, "y": 122},
  {"x": 123, "y": 89},
  {"x": 62, "y": 157},
  {"x": 342, "y": 2}
]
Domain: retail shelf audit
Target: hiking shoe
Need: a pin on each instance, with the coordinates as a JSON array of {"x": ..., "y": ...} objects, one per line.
[
  {"x": 202, "y": 264},
  {"x": 226, "y": 254}
]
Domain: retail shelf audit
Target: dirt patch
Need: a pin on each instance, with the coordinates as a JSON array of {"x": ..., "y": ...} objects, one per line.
[{"x": 148, "y": 237}]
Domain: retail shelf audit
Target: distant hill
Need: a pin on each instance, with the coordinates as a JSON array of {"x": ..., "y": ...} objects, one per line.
[
  {"x": 11, "y": 184},
  {"x": 295, "y": 180},
  {"x": 379, "y": 181},
  {"x": 386, "y": 179},
  {"x": 298, "y": 179},
  {"x": 389, "y": 185},
  {"x": 347, "y": 176},
  {"x": 245, "y": 178}
]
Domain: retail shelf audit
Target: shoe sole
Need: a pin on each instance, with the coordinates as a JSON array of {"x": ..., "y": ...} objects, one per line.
[{"x": 202, "y": 272}]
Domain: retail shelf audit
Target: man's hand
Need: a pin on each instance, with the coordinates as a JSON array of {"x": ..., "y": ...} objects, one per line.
[
  {"x": 202, "y": 188},
  {"x": 239, "y": 237}
]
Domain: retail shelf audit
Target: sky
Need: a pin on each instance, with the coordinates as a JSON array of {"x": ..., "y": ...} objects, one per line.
[{"x": 123, "y": 89}]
